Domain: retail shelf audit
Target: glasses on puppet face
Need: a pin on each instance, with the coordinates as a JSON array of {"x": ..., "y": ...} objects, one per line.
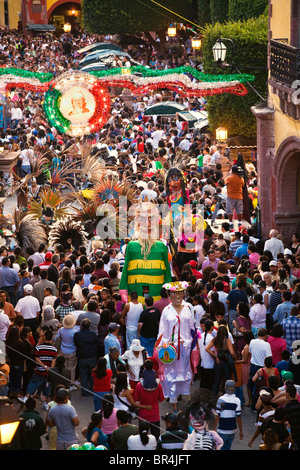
[
  {"x": 179, "y": 293},
  {"x": 174, "y": 178}
]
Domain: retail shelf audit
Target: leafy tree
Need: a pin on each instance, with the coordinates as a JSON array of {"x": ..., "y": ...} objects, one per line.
[
  {"x": 134, "y": 16},
  {"x": 250, "y": 56},
  {"x": 204, "y": 12},
  {"x": 219, "y": 11},
  {"x": 243, "y": 9}
]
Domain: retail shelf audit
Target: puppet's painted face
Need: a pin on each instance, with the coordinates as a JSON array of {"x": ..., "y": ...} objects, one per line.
[
  {"x": 174, "y": 183},
  {"x": 198, "y": 422}
]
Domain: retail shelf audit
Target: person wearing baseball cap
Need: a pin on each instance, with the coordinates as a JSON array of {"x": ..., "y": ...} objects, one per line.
[
  {"x": 112, "y": 338},
  {"x": 29, "y": 307},
  {"x": 228, "y": 419}
]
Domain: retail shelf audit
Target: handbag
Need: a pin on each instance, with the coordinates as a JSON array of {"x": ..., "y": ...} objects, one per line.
[
  {"x": 134, "y": 412},
  {"x": 237, "y": 333}
]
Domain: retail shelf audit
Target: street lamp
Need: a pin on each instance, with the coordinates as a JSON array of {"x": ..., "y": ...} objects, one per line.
[
  {"x": 172, "y": 31},
  {"x": 67, "y": 28},
  {"x": 219, "y": 51},
  {"x": 221, "y": 134},
  {"x": 196, "y": 43}
]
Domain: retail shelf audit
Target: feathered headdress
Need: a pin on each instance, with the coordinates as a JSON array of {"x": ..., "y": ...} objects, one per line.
[
  {"x": 28, "y": 231},
  {"x": 68, "y": 233},
  {"x": 49, "y": 198}
]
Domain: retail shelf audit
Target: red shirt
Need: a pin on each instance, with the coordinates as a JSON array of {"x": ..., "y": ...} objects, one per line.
[
  {"x": 104, "y": 384},
  {"x": 144, "y": 397}
]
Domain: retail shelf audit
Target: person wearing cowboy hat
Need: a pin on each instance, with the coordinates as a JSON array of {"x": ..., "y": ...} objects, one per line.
[
  {"x": 175, "y": 328},
  {"x": 134, "y": 357},
  {"x": 67, "y": 344}
]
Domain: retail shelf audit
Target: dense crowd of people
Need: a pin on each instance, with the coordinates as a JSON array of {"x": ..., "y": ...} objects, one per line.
[{"x": 67, "y": 328}]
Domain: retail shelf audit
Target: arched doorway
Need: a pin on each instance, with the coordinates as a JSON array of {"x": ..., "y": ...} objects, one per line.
[
  {"x": 62, "y": 12},
  {"x": 287, "y": 177}
]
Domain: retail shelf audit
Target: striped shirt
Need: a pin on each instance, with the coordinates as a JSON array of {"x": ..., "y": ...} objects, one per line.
[
  {"x": 228, "y": 409},
  {"x": 174, "y": 438},
  {"x": 45, "y": 352}
]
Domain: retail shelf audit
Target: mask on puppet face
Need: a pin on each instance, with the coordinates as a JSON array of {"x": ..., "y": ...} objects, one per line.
[
  {"x": 174, "y": 183},
  {"x": 198, "y": 421}
]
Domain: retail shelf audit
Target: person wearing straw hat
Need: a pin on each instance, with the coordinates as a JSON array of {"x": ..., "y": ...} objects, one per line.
[
  {"x": 67, "y": 345},
  {"x": 134, "y": 357},
  {"x": 174, "y": 343}
]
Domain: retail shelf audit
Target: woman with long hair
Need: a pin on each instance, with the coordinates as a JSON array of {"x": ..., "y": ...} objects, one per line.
[
  {"x": 94, "y": 433},
  {"x": 109, "y": 413},
  {"x": 241, "y": 324},
  {"x": 123, "y": 397},
  {"x": 102, "y": 382},
  {"x": 16, "y": 352},
  {"x": 207, "y": 363},
  {"x": 143, "y": 440},
  {"x": 221, "y": 349}
]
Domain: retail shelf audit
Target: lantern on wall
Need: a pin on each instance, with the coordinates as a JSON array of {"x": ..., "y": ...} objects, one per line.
[
  {"x": 172, "y": 31},
  {"x": 221, "y": 134}
]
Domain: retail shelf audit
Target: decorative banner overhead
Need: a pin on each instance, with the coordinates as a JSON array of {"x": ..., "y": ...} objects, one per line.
[{"x": 78, "y": 103}]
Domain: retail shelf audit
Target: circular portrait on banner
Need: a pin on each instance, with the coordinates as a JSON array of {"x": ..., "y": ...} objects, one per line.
[{"x": 77, "y": 104}]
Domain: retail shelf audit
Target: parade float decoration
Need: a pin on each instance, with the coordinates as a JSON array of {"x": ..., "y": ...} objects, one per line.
[{"x": 78, "y": 103}]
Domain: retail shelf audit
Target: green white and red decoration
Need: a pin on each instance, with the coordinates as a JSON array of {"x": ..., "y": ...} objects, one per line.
[{"x": 78, "y": 103}]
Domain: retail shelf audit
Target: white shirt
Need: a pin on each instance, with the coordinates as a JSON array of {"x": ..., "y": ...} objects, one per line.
[
  {"x": 157, "y": 136},
  {"x": 259, "y": 350},
  {"x": 77, "y": 292},
  {"x": 4, "y": 325},
  {"x": 257, "y": 314},
  {"x": 28, "y": 307},
  {"x": 275, "y": 246},
  {"x": 135, "y": 443},
  {"x": 206, "y": 360}
]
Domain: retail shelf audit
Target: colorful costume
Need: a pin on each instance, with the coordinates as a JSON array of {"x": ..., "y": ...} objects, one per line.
[
  {"x": 146, "y": 266},
  {"x": 145, "y": 276},
  {"x": 178, "y": 330}
]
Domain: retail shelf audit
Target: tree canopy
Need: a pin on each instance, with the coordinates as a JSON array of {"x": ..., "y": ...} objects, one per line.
[{"x": 133, "y": 16}]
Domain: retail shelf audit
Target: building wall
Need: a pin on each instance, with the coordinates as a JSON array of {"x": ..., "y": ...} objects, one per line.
[
  {"x": 280, "y": 19},
  {"x": 278, "y": 141},
  {"x": 14, "y": 7}
]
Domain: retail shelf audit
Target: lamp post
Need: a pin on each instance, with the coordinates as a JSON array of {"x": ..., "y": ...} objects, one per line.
[{"x": 219, "y": 53}]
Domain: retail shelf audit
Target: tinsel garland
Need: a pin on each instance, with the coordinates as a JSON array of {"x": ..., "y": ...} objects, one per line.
[
  {"x": 140, "y": 80},
  {"x": 42, "y": 77},
  {"x": 147, "y": 72}
]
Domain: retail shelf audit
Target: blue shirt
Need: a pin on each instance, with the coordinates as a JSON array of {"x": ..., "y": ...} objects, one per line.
[
  {"x": 111, "y": 341},
  {"x": 102, "y": 438},
  {"x": 242, "y": 250},
  {"x": 8, "y": 277},
  {"x": 282, "y": 311},
  {"x": 235, "y": 296}
]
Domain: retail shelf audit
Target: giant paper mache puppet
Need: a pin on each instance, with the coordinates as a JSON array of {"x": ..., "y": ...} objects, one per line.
[
  {"x": 176, "y": 190},
  {"x": 146, "y": 266}
]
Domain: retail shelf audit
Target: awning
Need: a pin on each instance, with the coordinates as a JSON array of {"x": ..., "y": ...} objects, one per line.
[
  {"x": 99, "y": 46},
  {"x": 166, "y": 108},
  {"x": 41, "y": 27},
  {"x": 101, "y": 55}
]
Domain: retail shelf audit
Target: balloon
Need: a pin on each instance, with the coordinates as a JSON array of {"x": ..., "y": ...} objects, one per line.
[
  {"x": 101, "y": 448},
  {"x": 74, "y": 447},
  {"x": 87, "y": 446}
]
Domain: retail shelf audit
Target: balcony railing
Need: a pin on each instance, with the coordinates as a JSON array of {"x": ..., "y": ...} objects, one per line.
[{"x": 284, "y": 62}]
